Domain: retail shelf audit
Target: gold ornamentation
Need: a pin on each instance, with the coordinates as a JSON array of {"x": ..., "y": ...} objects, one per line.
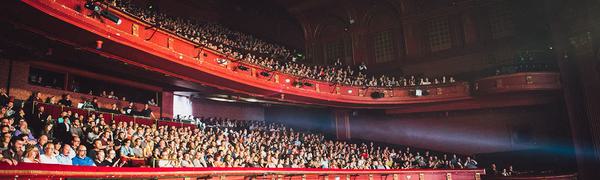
[
  {"x": 135, "y": 30},
  {"x": 499, "y": 83},
  {"x": 529, "y": 79},
  {"x": 318, "y": 88},
  {"x": 171, "y": 43}
]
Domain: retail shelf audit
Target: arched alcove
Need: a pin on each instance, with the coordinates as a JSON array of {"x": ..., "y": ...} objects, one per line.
[{"x": 383, "y": 33}]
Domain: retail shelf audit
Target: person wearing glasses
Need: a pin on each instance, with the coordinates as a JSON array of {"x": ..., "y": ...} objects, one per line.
[{"x": 81, "y": 159}]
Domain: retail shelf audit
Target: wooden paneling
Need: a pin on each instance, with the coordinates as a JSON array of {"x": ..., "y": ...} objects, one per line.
[{"x": 518, "y": 82}]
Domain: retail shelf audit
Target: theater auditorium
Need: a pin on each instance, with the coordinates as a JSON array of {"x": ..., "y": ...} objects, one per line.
[{"x": 300, "y": 89}]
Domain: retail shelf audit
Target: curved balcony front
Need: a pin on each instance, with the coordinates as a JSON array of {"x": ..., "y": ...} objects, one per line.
[
  {"x": 138, "y": 43},
  {"x": 518, "y": 82},
  {"x": 52, "y": 171}
]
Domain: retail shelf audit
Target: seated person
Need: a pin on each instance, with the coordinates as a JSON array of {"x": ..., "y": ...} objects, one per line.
[
  {"x": 4, "y": 98},
  {"x": 48, "y": 157},
  {"x": 114, "y": 109},
  {"x": 90, "y": 105},
  {"x": 64, "y": 156},
  {"x": 152, "y": 102},
  {"x": 81, "y": 159},
  {"x": 66, "y": 100},
  {"x": 14, "y": 154},
  {"x": 129, "y": 110},
  {"x": 146, "y": 112},
  {"x": 126, "y": 150},
  {"x": 32, "y": 154},
  {"x": 100, "y": 159}
]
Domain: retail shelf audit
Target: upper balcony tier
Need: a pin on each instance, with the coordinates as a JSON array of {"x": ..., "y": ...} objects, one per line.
[{"x": 138, "y": 43}]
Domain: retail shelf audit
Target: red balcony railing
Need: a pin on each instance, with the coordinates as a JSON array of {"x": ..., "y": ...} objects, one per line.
[
  {"x": 518, "y": 82},
  {"x": 162, "y": 51},
  {"x": 43, "y": 171}
]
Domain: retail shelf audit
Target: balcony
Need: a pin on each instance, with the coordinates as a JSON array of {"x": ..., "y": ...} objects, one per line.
[
  {"x": 40, "y": 171},
  {"x": 137, "y": 43}
]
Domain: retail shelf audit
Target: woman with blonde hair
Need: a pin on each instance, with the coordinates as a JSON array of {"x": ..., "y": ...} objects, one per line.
[{"x": 32, "y": 154}]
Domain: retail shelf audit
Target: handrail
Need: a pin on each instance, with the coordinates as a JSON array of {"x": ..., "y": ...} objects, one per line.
[
  {"x": 523, "y": 81},
  {"x": 533, "y": 176},
  {"x": 65, "y": 171}
]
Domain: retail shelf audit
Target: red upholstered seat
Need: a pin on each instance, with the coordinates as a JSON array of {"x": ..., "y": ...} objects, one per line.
[
  {"x": 123, "y": 118},
  {"x": 50, "y": 109},
  {"x": 144, "y": 121}
]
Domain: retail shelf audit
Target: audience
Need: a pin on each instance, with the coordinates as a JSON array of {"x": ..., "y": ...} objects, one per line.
[
  {"x": 215, "y": 142},
  {"x": 250, "y": 49},
  {"x": 493, "y": 171}
]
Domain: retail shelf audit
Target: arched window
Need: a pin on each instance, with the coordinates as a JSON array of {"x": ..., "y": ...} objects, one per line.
[
  {"x": 501, "y": 22},
  {"x": 438, "y": 31},
  {"x": 335, "y": 41},
  {"x": 384, "y": 33},
  {"x": 383, "y": 45}
]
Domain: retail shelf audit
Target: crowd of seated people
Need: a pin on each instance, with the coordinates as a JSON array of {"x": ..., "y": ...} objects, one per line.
[
  {"x": 72, "y": 139},
  {"x": 92, "y": 105},
  {"x": 269, "y": 55},
  {"x": 111, "y": 95},
  {"x": 36, "y": 79},
  {"x": 493, "y": 171}
]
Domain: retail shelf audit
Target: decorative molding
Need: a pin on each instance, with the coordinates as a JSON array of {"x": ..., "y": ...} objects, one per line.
[
  {"x": 529, "y": 79},
  {"x": 499, "y": 83},
  {"x": 171, "y": 43},
  {"x": 135, "y": 30}
]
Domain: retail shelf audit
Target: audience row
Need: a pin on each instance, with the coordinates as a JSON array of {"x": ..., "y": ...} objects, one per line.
[
  {"x": 250, "y": 49},
  {"x": 76, "y": 140}
]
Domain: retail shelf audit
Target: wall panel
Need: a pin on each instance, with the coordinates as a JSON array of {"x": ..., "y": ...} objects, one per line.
[
  {"x": 466, "y": 132},
  {"x": 239, "y": 111}
]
